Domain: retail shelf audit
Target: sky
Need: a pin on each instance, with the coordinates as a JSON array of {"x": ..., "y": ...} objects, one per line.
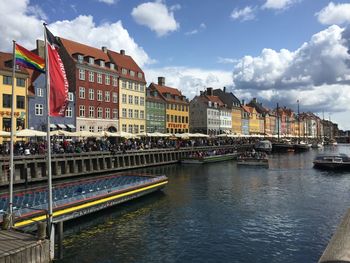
[{"x": 278, "y": 51}]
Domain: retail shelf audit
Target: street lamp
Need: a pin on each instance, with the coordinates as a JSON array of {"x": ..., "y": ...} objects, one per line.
[{"x": 298, "y": 123}]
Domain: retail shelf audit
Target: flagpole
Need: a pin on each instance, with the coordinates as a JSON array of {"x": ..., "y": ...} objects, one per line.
[
  {"x": 49, "y": 171},
  {"x": 12, "y": 134}
]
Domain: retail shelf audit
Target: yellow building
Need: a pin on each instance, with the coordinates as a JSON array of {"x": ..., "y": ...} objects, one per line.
[
  {"x": 236, "y": 120},
  {"x": 177, "y": 107},
  {"x": 132, "y": 93},
  {"x": 254, "y": 124},
  {"x": 21, "y": 87}
]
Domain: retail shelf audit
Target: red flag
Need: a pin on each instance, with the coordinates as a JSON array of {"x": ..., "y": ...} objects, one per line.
[{"x": 58, "y": 78}]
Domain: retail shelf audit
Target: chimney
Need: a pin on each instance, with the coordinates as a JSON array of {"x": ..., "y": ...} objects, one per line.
[
  {"x": 161, "y": 81},
  {"x": 40, "y": 45},
  {"x": 201, "y": 93},
  {"x": 255, "y": 100},
  {"x": 224, "y": 89},
  {"x": 104, "y": 49},
  {"x": 122, "y": 52},
  {"x": 243, "y": 102},
  {"x": 210, "y": 91}
]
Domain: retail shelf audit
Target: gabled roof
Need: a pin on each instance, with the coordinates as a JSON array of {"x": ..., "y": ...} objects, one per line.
[
  {"x": 215, "y": 99},
  {"x": 127, "y": 62},
  {"x": 6, "y": 63},
  {"x": 248, "y": 108},
  {"x": 227, "y": 97},
  {"x": 258, "y": 107},
  {"x": 163, "y": 90}
]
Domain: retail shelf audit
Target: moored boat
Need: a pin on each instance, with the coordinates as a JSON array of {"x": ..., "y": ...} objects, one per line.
[
  {"x": 209, "y": 158},
  {"x": 263, "y": 146},
  {"x": 302, "y": 146},
  {"x": 332, "y": 162},
  {"x": 251, "y": 161}
]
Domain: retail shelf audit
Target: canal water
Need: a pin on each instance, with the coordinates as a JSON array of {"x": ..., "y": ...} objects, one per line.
[{"x": 221, "y": 213}]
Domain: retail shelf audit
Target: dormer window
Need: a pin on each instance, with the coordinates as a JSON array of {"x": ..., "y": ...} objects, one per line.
[
  {"x": 112, "y": 66},
  {"x": 215, "y": 105},
  {"x": 80, "y": 58},
  {"x": 139, "y": 75},
  {"x": 209, "y": 103},
  {"x": 132, "y": 73},
  {"x": 124, "y": 71},
  {"x": 102, "y": 63},
  {"x": 91, "y": 60}
]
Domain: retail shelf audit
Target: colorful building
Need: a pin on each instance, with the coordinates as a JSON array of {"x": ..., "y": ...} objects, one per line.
[
  {"x": 155, "y": 111},
  {"x": 132, "y": 92},
  {"x": 20, "y": 89},
  {"x": 177, "y": 107},
  {"x": 93, "y": 78},
  {"x": 245, "y": 120},
  {"x": 234, "y": 104},
  {"x": 254, "y": 124}
]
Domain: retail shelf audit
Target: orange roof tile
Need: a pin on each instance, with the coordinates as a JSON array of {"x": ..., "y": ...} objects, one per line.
[
  {"x": 7, "y": 57},
  {"x": 247, "y": 108},
  {"x": 215, "y": 99}
]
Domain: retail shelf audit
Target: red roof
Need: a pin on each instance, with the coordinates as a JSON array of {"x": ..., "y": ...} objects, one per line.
[
  {"x": 215, "y": 99},
  {"x": 163, "y": 90},
  {"x": 127, "y": 62},
  {"x": 248, "y": 109},
  {"x": 6, "y": 63}
]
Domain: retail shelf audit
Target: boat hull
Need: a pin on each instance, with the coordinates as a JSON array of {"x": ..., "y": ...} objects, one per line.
[
  {"x": 345, "y": 166},
  {"x": 209, "y": 159},
  {"x": 253, "y": 162}
]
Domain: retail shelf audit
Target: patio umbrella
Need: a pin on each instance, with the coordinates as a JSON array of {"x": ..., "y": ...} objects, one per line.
[
  {"x": 62, "y": 133},
  {"x": 87, "y": 134},
  {"x": 4, "y": 133},
  {"x": 30, "y": 133}
]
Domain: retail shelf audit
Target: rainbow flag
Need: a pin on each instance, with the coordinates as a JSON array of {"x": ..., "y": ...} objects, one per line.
[{"x": 28, "y": 59}]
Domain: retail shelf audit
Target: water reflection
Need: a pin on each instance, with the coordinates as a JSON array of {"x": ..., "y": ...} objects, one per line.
[{"x": 221, "y": 213}]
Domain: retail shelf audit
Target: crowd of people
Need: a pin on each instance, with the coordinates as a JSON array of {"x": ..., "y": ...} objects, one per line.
[{"x": 118, "y": 145}]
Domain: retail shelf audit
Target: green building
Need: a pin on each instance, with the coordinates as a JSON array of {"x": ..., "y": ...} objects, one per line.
[{"x": 155, "y": 111}]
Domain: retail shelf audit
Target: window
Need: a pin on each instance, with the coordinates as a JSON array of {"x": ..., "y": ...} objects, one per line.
[
  {"x": 136, "y": 114},
  {"x": 130, "y": 99},
  {"x": 124, "y": 71},
  {"x": 99, "y": 78},
  {"x": 91, "y": 61},
  {"x": 130, "y": 128},
  {"x": 40, "y": 92},
  {"x": 115, "y": 113},
  {"x": 39, "y": 109},
  {"x": 108, "y": 113},
  {"x": 136, "y": 100},
  {"x": 132, "y": 73},
  {"x": 124, "y": 84},
  {"x": 99, "y": 95},
  {"x": 91, "y": 94},
  {"x": 142, "y": 87},
  {"x": 80, "y": 58},
  {"x": 142, "y": 114},
  {"x": 69, "y": 112},
  {"x": 91, "y": 128},
  {"x": 20, "y": 82},
  {"x": 142, "y": 101},
  {"x": 142, "y": 128},
  {"x": 91, "y": 111},
  {"x": 81, "y": 74},
  {"x": 139, "y": 75},
  {"x": 7, "y": 80},
  {"x": 115, "y": 97},
  {"x": 130, "y": 85},
  {"x": 99, "y": 112},
  {"x": 99, "y": 128},
  {"x": 124, "y": 127},
  {"x": 107, "y": 80},
  {"x": 70, "y": 96},
  {"x": 6, "y": 100},
  {"x": 20, "y": 102},
  {"x": 102, "y": 63},
  {"x": 136, "y": 129},
  {"x": 112, "y": 66},
  {"x": 137, "y": 86},
  {"x": 124, "y": 113},
  {"x": 91, "y": 76},
  {"x": 107, "y": 96},
  {"x": 115, "y": 82},
  {"x": 123, "y": 98},
  {"x": 82, "y": 92},
  {"x": 82, "y": 128},
  {"x": 130, "y": 113},
  {"x": 81, "y": 111}
]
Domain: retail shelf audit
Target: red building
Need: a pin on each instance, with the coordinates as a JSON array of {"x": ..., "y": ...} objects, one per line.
[{"x": 93, "y": 78}]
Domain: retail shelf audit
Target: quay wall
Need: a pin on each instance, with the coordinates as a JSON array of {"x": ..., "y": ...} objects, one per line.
[{"x": 33, "y": 168}]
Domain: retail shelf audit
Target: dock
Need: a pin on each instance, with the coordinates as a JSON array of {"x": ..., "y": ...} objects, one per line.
[{"x": 18, "y": 247}]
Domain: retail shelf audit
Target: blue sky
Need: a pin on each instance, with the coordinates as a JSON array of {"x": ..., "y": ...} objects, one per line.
[{"x": 275, "y": 50}]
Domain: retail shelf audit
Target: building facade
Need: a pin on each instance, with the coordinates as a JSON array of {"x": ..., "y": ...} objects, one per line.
[
  {"x": 93, "y": 78},
  {"x": 177, "y": 107},
  {"x": 21, "y": 82},
  {"x": 132, "y": 93},
  {"x": 155, "y": 112}
]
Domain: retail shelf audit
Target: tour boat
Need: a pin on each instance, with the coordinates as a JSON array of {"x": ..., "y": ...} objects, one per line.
[
  {"x": 302, "y": 146},
  {"x": 252, "y": 161},
  {"x": 263, "y": 146},
  {"x": 208, "y": 159},
  {"x": 332, "y": 162}
]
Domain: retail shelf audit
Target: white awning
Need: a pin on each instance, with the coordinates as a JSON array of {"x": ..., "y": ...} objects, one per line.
[
  {"x": 53, "y": 126},
  {"x": 62, "y": 126},
  {"x": 71, "y": 126}
]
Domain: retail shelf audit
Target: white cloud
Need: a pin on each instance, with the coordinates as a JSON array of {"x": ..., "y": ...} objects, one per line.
[
  {"x": 201, "y": 28},
  {"x": 156, "y": 16},
  {"x": 244, "y": 14},
  {"x": 190, "y": 80},
  {"x": 334, "y": 14},
  {"x": 108, "y": 2},
  {"x": 317, "y": 73},
  {"x": 18, "y": 22},
  {"x": 278, "y": 4},
  {"x": 222, "y": 60}
]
